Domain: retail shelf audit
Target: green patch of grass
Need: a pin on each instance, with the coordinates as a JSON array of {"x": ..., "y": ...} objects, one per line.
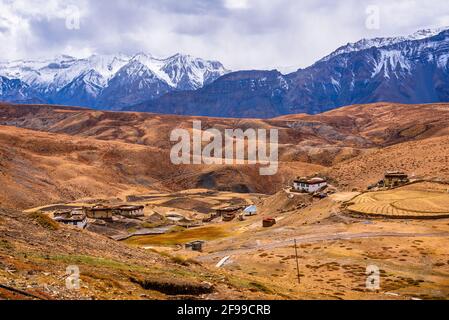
[
  {"x": 96, "y": 262},
  {"x": 260, "y": 287},
  {"x": 249, "y": 284},
  {"x": 44, "y": 221}
]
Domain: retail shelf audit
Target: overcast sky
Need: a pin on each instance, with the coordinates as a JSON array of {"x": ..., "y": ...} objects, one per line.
[{"x": 242, "y": 34}]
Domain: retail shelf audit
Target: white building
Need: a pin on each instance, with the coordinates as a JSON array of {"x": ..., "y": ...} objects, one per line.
[
  {"x": 76, "y": 218},
  {"x": 250, "y": 211},
  {"x": 130, "y": 211},
  {"x": 309, "y": 185}
]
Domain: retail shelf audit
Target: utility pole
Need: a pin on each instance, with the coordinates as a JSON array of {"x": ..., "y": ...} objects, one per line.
[{"x": 297, "y": 263}]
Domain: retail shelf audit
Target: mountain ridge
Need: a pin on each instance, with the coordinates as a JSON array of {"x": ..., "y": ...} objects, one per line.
[
  {"x": 71, "y": 81},
  {"x": 409, "y": 72},
  {"x": 384, "y": 41},
  {"x": 410, "y": 69}
]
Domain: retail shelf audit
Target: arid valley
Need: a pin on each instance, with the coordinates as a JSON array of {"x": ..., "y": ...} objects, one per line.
[{"x": 56, "y": 158}]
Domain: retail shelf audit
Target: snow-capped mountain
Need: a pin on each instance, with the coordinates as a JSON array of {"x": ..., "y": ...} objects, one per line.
[
  {"x": 413, "y": 69},
  {"x": 136, "y": 81},
  {"x": 410, "y": 69},
  {"x": 17, "y": 91},
  {"x": 98, "y": 80},
  {"x": 239, "y": 95},
  {"x": 382, "y": 42},
  {"x": 189, "y": 73}
]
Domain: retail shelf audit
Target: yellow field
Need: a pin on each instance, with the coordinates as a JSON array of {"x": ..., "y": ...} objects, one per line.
[
  {"x": 204, "y": 233},
  {"x": 402, "y": 203}
]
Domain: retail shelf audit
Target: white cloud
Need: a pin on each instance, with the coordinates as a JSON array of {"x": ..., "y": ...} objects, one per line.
[
  {"x": 243, "y": 34},
  {"x": 236, "y": 4}
]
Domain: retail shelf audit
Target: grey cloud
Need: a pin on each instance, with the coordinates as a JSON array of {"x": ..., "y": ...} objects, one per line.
[{"x": 267, "y": 34}]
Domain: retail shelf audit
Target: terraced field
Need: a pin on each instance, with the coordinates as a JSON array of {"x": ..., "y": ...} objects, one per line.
[{"x": 418, "y": 203}]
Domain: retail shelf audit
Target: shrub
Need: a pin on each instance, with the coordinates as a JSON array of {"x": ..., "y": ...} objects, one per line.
[{"x": 44, "y": 221}]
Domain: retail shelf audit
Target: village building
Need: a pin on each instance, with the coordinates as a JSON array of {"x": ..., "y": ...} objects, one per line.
[
  {"x": 130, "y": 211},
  {"x": 156, "y": 217},
  {"x": 76, "y": 218},
  {"x": 228, "y": 216},
  {"x": 268, "y": 222},
  {"x": 250, "y": 211},
  {"x": 174, "y": 217},
  {"x": 309, "y": 185},
  {"x": 395, "y": 179},
  {"x": 195, "y": 245},
  {"x": 229, "y": 210},
  {"x": 188, "y": 223},
  {"x": 228, "y": 213},
  {"x": 209, "y": 218},
  {"x": 100, "y": 212},
  {"x": 180, "y": 220}
]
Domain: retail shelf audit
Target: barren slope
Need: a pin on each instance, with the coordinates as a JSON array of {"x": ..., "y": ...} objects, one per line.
[
  {"x": 35, "y": 262},
  {"x": 427, "y": 158},
  {"x": 38, "y": 168},
  {"x": 85, "y": 153}
]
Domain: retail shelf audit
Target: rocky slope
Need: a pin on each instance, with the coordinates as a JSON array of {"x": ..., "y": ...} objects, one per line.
[{"x": 33, "y": 266}]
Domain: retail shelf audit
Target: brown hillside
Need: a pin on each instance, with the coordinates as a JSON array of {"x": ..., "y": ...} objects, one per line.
[
  {"x": 427, "y": 158},
  {"x": 86, "y": 153},
  {"x": 35, "y": 262},
  {"x": 38, "y": 168}
]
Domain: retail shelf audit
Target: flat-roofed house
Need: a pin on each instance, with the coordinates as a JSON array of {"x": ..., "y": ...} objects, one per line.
[
  {"x": 395, "y": 178},
  {"x": 196, "y": 245},
  {"x": 129, "y": 211},
  {"x": 228, "y": 213},
  {"x": 250, "y": 211},
  {"x": 76, "y": 218},
  {"x": 100, "y": 212},
  {"x": 228, "y": 210},
  {"x": 268, "y": 222},
  {"x": 309, "y": 185}
]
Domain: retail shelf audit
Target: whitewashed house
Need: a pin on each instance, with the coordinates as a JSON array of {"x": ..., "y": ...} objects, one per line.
[
  {"x": 129, "y": 211},
  {"x": 76, "y": 218},
  {"x": 309, "y": 185},
  {"x": 250, "y": 211}
]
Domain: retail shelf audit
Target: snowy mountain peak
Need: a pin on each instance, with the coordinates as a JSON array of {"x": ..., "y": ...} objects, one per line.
[
  {"x": 61, "y": 78},
  {"x": 426, "y": 33},
  {"x": 382, "y": 42},
  {"x": 142, "y": 56},
  {"x": 190, "y": 73}
]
